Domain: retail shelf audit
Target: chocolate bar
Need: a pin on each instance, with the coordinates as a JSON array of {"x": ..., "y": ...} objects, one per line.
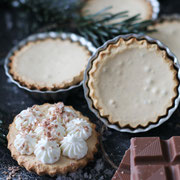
[
  {"x": 123, "y": 171},
  {"x": 152, "y": 158}
]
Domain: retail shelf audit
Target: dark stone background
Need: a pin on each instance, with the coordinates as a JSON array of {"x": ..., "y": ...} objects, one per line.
[{"x": 13, "y": 27}]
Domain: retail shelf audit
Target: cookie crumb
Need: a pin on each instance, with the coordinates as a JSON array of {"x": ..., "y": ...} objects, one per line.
[{"x": 12, "y": 172}]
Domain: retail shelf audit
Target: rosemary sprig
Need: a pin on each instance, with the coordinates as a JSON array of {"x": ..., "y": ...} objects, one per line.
[
  {"x": 63, "y": 15},
  {"x": 98, "y": 29}
]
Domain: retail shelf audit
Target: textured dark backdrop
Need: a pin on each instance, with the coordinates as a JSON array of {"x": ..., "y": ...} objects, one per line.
[{"x": 13, "y": 27}]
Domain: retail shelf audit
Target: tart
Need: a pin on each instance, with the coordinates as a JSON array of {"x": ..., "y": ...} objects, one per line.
[
  {"x": 49, "y": 64},
  {"x": 142, "y": 7},
  {"x": 132, "y": 83},
  {"x": 52, "y": 139},
  {"x": 168, "y": 32}
]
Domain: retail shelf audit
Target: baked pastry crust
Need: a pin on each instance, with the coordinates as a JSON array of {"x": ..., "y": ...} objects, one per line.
[
  {"x": 89, "y": 5},
  {"x": 64, "y": 164},
  {"x": 102, "y": 56},
  {"x": 32, "y": 84},
  {"x": 168, "y": 32}
]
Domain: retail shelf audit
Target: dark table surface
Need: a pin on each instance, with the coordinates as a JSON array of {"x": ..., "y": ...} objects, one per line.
[{"x": 13, "y": 100}]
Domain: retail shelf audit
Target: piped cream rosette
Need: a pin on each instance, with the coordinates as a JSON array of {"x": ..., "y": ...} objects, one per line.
[{"x": 50, "y": 133}]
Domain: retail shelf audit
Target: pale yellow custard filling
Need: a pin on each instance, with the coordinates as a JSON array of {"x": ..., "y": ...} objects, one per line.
[
  {"x": 132, "y": 83},
  {"x": 50, "y": 63}
]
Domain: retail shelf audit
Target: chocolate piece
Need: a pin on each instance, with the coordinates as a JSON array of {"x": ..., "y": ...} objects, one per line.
[
  {"x": 152, "y": 158},
  {"x": 123, "y": 171}
]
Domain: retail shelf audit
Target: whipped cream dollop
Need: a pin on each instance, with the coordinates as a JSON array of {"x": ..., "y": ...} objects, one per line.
[
  {"x": 60, "y": 113},
  {"x": 51, "y": 129},
  {"x": 74, "y": 147},
  {"x": 68, "y": 115},
  {"x": 55, "y": 112},
  {"x": 47, "y": 151},
  {"x": 36, "y": 111},
  {"x": 25, "y": 143},
  {"x": 25, "y": 120},
  {"x": 80, "y": 128}
]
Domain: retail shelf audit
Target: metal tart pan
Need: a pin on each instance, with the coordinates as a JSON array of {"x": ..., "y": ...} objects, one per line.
[
  {"x": 105, "y": 120},
  {"x": 47, "y": 95}
]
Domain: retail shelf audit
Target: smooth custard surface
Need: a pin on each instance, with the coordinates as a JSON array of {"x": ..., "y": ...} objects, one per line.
[
  {"x": 132, "y": 84},
  {"x": 50, "y": 63}
]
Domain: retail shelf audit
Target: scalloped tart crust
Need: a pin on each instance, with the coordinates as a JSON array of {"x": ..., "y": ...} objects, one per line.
[
  {"x": 49, "y": 64},
  {"x": 133, "y": 83}
]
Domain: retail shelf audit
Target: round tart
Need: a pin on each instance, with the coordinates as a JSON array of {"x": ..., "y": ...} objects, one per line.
[
  {"x": 52, "y": 139},
  {"x": 49, "y": 64},
  {"x": 142, "y": 7},
  {"x": 168, "y": 32},
  {"x": 132, "y": 83}
]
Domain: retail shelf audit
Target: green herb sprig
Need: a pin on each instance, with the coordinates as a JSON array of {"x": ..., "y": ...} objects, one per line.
[{"x": 63, "y": 15}]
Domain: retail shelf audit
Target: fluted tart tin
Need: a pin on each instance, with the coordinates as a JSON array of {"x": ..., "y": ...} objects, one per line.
[
  {"x": 128, "y": 129},
  {"x": 54, "y": 95}
]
